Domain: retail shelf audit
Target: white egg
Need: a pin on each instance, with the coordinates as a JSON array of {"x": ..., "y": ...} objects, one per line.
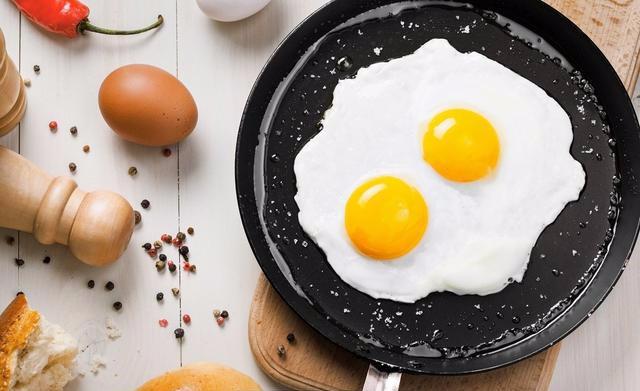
[
  {"x": 231, "y": 10},
  {"x": 480, "y": 234}
]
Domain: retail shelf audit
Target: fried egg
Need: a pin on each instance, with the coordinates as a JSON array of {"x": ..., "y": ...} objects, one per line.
[{"x": 435, "y": 172}]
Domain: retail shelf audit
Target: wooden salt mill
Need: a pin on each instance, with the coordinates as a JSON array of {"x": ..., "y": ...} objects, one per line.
[
  {"x": 96, "y": 226},
  {"x": 13, "y": 100}
]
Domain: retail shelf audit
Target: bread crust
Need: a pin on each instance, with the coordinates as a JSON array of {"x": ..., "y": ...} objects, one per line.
[
  {"x": 17, "y": 322},
  {"x": 202, "y": 377}
]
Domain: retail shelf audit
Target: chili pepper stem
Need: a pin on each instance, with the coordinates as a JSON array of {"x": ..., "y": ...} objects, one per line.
[{"x": 85, "y": 25}]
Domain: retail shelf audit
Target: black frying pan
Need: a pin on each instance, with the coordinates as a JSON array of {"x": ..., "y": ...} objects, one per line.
[{"x": 575, "y": 262}]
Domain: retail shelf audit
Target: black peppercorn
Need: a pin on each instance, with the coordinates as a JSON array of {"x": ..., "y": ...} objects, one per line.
[
  {"x": 159, "y": 296},
  {"x": 133, "y": 171},
  {"x": 73, "y": 130},
  {"x": 86, "y": 149},
  {"x": 281, "y": 351},
  {"x": 91, "y": 284},
  {"x": 162, "y": 257},
  {"x": 46, "y": 260},
  {"x": 166, "y": 152},
  {"x": 179, "y": 333},
  {"x": 192, "y": 268},
  {"x": 224, "y": 314},
  {"x": 190, "y": 230},
  {"x": 291, "y": 338},
  {"x": 147, "y": 246},
  {"x": 184, "y": 251},
  {"x": 36, "y": 68},
  {"x": 109, "y": 286},
  {"x": 73, "y": 167},
  {"x": 19, "y": 262},
  {"x": 117, "y": 306},
  {"x": 10, "y": 240},
  {"x": 181, "y": 236},
  {"x": 137, "y": 216},
  {"x": 145, "y": 204}
]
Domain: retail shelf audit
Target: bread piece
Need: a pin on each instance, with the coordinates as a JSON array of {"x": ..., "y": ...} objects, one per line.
[
  {"x": 202, "y": 377},
  {"x": 34, "y": 354}
]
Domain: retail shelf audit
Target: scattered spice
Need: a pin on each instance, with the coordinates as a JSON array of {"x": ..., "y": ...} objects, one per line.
[
  {"x": 46, "y": 260},
  {"x": 10, "y": 240},
  {"x": 166, "y": 238},
  {"x": 184, "y": 251},
  {"x": 146, "y": 246},
  {"x": 177, "y": 242},
  {"x": 19, "y": 262},
  {"x": 186, "y": 266},
  {"x": 160, "y": 265},
  {"x": 179, "y": 333},
  {"x": 27, "y": 82},
  {"x": 86, "y": 149},
  {"x": 224, "y": 314},
  {"x": 186, "y": 318},
  {"x": 157, "y": 245},
  {"x": 175, "y": 291},
  {"x": 166, "y": 152},
  {"x": 163, "y": 323},
  {"x": 181, "y": 236},
  {"x": 172, "y": 266},
  {"x": 282, "y": 351},
  {"x": 216, "y": 313},
  {"x": 133, "y": 171},
  {"x": 73, "y": 130},
  {"x": 192, "y": 268},
  {"x": 163, "y": 257},
  {"x": 117, "y": 306},
  {"x": 220, "y": 321},
  {"x": 159, "y": 296},
  {"x": 190, "y": 230},
  {"x": 291, "y": 338},
  {"x": 36, "y": 68},
  {"x": 137, "y": 216},
  {"x": 91, "y": 284},
  {"x": 53, "y": 126},
  {"x": 145, "y": 204},
  {"x": 73, "y": 167},
  {"x": 109, "y": 286}
]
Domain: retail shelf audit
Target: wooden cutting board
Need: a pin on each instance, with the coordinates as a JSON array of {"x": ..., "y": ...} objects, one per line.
[{"x": 313, "y": 363}]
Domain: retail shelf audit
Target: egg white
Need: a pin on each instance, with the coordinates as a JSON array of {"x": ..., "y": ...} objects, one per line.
[{"x": 480, "y": 234}]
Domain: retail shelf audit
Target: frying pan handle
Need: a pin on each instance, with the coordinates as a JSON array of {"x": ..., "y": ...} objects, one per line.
[{"x": 381, "y": 381}]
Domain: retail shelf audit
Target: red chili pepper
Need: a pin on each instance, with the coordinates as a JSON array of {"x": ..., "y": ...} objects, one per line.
[{"x": 68, "y": 17}]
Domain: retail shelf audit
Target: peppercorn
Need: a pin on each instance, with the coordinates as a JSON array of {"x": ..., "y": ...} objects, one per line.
[
  {"x": 166, "y": 238},
  {"x": 147, "y": 246},
  {"x": 192, "y": 268},
  {"x": 281, "y": 351},
  {"x": 109, "y": 286},
  {"x": 86, "y": 149},
  {"x": 145, "y": 204},
  {"x": 157, "y": 245},
  {"x": 186, "y": 266},
  {"x": 159, "y": 296},
  {"x": 177, "y": 242},
  {"x": 184, "y": 251},
  {"x": 186, "y": 318},
  {"x": 291, "y": 338},
  {"x": 53, "y": 126},
  {"x": 46, "y": 260},
  {"x": 166, "y": 152},
  {"x": 163, "y": 257},
  {"x": 133, "y": 171},
  {"x": 91, "y": 284},
  {"x": 181, "y": 236},
  {"x": 220, "y": 321},
  {"x": 36, "y": 68},
  {"x": 216, "y": 313},
  {"x": 179, "y": 333},
  {"x": 19, "y": 262},
  {"x": 137, "y": 216},
  {"x": 172, "y": 267},
  {"x": 27, "y": 82},
  {"x": 224, "y": 314},
  {"x": 152, "y": 253},
  {"x": 73, "y": 167},
  {"x": 190, "y": 230},
  {"x": 163, "y": 322},
  {"x": 73, "y": 130},
  {"x": 10, "y": 240},
  {"x": 117, "y": 306},
  {"x": 175, "y": 291},
  {"x": 160, "y": 265}
]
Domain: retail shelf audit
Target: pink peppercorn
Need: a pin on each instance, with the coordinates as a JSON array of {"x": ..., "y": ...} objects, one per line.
[
  {"x": 166, "y": 238},
  {"x": 186, "y": 266},
  {"x": 177, "y": 242},
  {"x": 220, "y": 321},
  {"x": 163, "y": 322},
  {"x": 152, "y": 253},
  {"x": 186, "y": 318},
  {"x": 53, "y": 126}
]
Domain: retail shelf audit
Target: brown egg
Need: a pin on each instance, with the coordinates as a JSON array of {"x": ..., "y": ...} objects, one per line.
[{"x": 147, "y": 105}]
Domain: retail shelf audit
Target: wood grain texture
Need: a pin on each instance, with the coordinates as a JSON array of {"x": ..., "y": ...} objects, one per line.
[{"x": 312, "y": 363}]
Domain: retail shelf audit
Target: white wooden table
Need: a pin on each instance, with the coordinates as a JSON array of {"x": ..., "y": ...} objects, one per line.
[{"x": 194, "y": 187}]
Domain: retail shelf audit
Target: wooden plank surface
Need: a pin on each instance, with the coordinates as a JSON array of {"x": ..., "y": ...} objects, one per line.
[{"x": 218, "y": 63}]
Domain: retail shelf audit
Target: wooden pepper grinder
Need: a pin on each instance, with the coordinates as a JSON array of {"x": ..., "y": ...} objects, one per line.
[
  {"x": 13, "y": 100},
  {"x": 96, "y": 226}
]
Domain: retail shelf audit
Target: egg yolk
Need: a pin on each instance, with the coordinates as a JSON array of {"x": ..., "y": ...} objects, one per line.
[
  {"x": 461, "y": 145},
  {"x": 386, "y": 218}
]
